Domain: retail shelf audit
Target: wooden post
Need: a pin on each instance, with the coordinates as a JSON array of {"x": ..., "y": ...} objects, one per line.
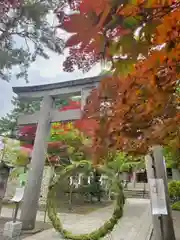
[
  {"x": 16, "y": 212},
  {"x": 155, "y": 165},
  {"x": 32, "y": 191}
]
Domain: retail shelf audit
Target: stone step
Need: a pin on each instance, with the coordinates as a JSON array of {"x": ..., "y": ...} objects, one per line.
[{"x": 136, "y": 194}]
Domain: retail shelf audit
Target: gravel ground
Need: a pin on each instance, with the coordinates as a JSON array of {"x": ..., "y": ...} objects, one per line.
[{"x": 83, "y": 209}]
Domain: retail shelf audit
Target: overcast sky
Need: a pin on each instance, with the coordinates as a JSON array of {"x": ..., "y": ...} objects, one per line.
[{"x": 41, "y": 72}]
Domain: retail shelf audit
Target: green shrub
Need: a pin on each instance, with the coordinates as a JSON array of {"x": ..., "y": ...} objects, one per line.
[
  {"x": 174, "y": 189},
  {"x": 176, "y": 206}
]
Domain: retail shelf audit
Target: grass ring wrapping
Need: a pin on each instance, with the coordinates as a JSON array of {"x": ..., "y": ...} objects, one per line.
[{"x": 96, "y": 234}]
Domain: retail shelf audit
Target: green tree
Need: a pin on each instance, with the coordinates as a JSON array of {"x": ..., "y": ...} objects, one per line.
[
  {"x": 123, "y": 162},
  {"x": 25, "y": 33},
  {"x": 12, "y": 155},
  {"x": 75, "y": 142},
  {"x": 8, "y": 123},
  {"x": 172, "y": 157}
]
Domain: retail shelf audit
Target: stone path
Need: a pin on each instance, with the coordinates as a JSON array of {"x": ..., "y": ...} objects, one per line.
[
  {"x": 7, "y": 212},
  {"x": 135, "y": 224}
]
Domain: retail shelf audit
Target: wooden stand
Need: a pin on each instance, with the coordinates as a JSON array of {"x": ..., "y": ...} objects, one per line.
[{"x": 156, "y": 171}]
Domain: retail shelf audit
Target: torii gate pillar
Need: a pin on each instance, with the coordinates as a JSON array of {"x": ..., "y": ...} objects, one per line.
[{"x": 32, "y": 191}]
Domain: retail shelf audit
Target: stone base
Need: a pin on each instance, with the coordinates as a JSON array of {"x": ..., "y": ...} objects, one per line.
[{"x": 12, "y": 230}]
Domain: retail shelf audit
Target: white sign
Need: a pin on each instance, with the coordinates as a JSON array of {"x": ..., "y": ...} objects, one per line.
[
  {"x": 158, "y": 198},
  {"x": 18, "y": 196}
]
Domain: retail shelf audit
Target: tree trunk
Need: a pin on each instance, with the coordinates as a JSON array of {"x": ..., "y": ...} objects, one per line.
[{"x": 134, "y": 178}]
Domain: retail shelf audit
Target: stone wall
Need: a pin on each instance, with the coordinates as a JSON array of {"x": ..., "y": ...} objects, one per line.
[{"x": 47, "y": 174}]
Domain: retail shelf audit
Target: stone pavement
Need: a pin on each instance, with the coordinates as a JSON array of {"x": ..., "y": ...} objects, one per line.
[
  {"x": 135, "y": 224},
  {"x": 7, "y": 213}
]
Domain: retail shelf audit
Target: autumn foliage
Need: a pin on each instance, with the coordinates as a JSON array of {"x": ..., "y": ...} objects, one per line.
[
  {"x": 137, "y": 106},
  {"x": 63, "y": 136}
]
